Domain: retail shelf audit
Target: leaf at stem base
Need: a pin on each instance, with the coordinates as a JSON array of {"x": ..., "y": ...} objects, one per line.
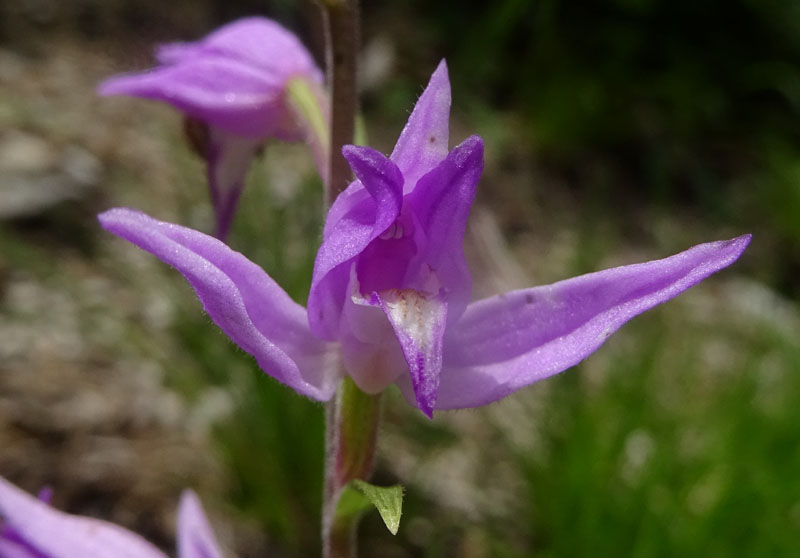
[{"x": 358, "y": 495}]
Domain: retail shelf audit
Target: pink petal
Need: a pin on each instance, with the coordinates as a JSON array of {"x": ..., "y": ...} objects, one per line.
[
  {"x": 228, "y": 159},
  {"x": 506, "y": 342},
  {"x": 415, "y": 154},
  {"x": 9, "y": 549},
  {"x": 258, "y": 41},
  {"x": 195, "y": 537},
  {"x": 441, "y": 203},
  {"x": 221, "y": 91},
  {"x": 59, "y": 535},
  {"x": 241, "y": 299},
  {"x": 423, "y": 144},
  {"x": 357, "y": 226}
]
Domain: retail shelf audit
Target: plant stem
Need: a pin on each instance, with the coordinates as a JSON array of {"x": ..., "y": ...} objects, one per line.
[
  {"x": 351, "y": 418},
  {"x": 342, "y": 38},
  {"x": 351, "y": 431}
]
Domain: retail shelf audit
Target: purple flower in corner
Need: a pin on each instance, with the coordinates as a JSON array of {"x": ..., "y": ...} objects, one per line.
[
  {"x": 233, "y": 87},
  {"x": 390, "y": 292},
  {"x": 30, "y": 528}
]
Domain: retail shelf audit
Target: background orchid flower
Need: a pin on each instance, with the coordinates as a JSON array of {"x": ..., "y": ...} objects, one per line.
[
  {"x": 30, "y": 528},
  {"x": 234, "y": 82},
  {"x": 391, "y": 286}
]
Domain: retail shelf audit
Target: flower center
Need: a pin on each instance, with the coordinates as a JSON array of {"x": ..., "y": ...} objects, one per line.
[
  {"x": 395, "y": 231},
  {"x": 385, "y": 263}
]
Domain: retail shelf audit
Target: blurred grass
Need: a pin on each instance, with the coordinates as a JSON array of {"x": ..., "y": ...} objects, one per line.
[{"x": 672, "y": 454}]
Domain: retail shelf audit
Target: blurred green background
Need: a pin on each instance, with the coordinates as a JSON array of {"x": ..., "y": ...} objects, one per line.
[{"x": 615, "y": 132}]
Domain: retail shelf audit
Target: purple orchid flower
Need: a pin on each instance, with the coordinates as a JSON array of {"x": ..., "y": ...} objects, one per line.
[
  {"x": 30, "y": 528},
  {"x": 234, "y": 81},
  {"x": 390, "y": 292}
]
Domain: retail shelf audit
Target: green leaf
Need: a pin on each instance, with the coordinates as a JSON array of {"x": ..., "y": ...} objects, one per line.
[
  {"x": 351, "y": 505},
  {"x": 388, "y": 500}
]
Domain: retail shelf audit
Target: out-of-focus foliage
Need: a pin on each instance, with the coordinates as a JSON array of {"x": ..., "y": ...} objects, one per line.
[
  {"x": 631, "y": 74},
  {"x": 678, "y": 103},
  {"x": 640, "y": 467}
]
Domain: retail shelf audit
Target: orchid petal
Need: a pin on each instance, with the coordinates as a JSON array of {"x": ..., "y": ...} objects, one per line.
[
  {"x": 370, "y": 351},
  {"x": 195, "y": 537},
  {"x": 12, "y": 545},
  {"x": 241, "y": 299},
  {"x": 55, "y": 534},
  {"x": 419, "y": 322},
  {"x": 221, "y": 91},
  {"x": 443, "y": 197},
  {"x": 506, "y": 342},
  {"x": 9, "y": 549},
  {"x": 229, "y": 157},
  {"x": 441, "y": 203},
  {"x": 381, "y": 178},
  {"x": 358, "y": 225},
  {"x": 261, "y": 42},
  {"x": 423, "y": 142}
]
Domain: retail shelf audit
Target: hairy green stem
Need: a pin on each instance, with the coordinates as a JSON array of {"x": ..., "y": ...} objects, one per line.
[{"x": 351, "y": 431}]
